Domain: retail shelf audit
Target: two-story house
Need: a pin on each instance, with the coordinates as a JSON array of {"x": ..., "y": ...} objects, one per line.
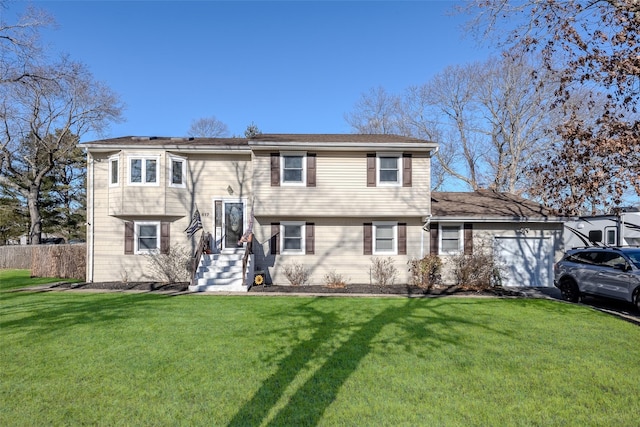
[{"x": 327, "y": 202}]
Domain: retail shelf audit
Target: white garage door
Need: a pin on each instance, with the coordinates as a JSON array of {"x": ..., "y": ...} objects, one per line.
[{"x": 525, "y": 261}]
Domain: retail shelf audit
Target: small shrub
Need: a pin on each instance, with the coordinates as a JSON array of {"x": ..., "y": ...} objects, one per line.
[
  {"x": 297, "y": 274},
  {"x": 335, "y": 280},
  {"x": 383, "y": 271},
  {"x": 478, "y": 271},
  {"x": 425, "y": 272},
  {"x": 172, "y": 267}
]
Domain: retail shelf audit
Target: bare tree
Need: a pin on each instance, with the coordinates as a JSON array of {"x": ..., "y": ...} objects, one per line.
[
  {"x": 489, "y": 120},
  {"x": 20, "y": 47},
  {"x": 41, "y": 118},
  {"x": 376, "y": 112},
  {"x": 589, "y": 45},
  {"x": 208, "y": 127}
]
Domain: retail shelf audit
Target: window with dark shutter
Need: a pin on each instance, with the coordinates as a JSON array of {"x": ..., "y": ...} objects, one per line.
[
  {"x": 434, "y": 237},
  {"x": 275, "y": 169},
  {"x": 468, "y": 239},
  {"x": 128, "y": 238},
  {"x": 368, "y": 238},
  {"x": 371, "y": 169},
  {"x": 406, "y": 170},
  {"x": 402, "y": 238},
  {"x": 311, "y": 170},
  {"x": 275, "y": 238},
  {"x": 165, "y": 237},
  {"x": 310, "y": 244}
]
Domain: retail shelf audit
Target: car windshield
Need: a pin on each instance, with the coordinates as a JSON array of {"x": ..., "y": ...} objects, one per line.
[{"x": 634, "y": 256}]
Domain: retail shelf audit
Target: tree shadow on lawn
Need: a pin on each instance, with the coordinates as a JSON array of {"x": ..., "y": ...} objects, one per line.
[
  {"x": 422, "y": 323},
  {"x": 42, "y": 316}
]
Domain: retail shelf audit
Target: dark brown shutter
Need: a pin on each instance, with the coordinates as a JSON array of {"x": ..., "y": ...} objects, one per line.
[
  {"x": 368, "y": 238},
  {"x": 311, "y": 169},
  {"x": 371, "y": 170},
  {"x": 468, "y": 239},
  {"x": 310, "y": 242},
  {"x": 402, "y": 238},
  {"x": 275, "y": 238},
  {"x": 128, "y": 238},
  {"x": 434, "y": 237},
  {"x": 275, "y": 169},
  {"x": 406, "y": 170},
  {"x": 165, "y": 233}
]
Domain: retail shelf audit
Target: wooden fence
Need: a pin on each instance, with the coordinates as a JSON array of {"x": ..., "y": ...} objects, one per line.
[{"x": 63, "y": 261}]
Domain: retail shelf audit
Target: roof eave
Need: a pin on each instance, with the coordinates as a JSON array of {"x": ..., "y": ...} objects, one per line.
[
  {"x": 345, "y": 146},
  {"x": 105, "y": 148},
  {"x": 487, "y": 219}
]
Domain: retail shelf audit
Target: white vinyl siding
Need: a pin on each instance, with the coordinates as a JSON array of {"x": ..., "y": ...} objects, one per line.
[{"x": 341, "y": 189}]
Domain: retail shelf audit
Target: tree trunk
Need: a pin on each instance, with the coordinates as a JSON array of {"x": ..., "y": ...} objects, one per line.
[{"x": 35, "y": 230}]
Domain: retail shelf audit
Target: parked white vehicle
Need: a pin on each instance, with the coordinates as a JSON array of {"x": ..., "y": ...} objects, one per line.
[{"x": 622, "y": 229}]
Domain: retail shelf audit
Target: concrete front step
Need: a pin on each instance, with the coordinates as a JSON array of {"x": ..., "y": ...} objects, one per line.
[{"x": 220, "y": 273}]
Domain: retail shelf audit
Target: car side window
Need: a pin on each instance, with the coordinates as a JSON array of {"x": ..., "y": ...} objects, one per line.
[
  {"x": 609, "y": 259},
  {"x": 587, "y": 257}
]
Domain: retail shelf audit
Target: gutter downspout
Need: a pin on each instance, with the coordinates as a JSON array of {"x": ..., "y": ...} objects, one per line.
[
  {"x": 90, "y": 220},
  {"x": 427, "y": 223}
]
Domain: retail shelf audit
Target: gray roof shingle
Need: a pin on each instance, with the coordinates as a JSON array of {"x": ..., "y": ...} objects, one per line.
[{"x": 484, "y": 204}]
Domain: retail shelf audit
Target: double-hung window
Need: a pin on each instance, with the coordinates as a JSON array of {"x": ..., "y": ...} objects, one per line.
[
  {"x": 143, "y": 170},
  {"x": 292, "y": 235},
  {"x": 177, "y": 172},
  {"x": 147, "y": 237},
  {"x": 114, "y": 171},
  {"x": 389, "y": 169},
  {"x": 450, "y": 239},
  {"x": 385, "y": 236},
  {"x": 293, "y": 169}
]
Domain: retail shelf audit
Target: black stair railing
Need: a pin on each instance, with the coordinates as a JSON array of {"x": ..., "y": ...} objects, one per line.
[{"x": 203, "y": 247}]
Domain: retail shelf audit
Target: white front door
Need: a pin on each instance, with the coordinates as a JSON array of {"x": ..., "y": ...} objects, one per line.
[{"x": 233, "y": 223}]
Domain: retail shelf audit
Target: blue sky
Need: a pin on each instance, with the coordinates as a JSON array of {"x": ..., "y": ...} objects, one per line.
[{"x": 289, "y": 67}]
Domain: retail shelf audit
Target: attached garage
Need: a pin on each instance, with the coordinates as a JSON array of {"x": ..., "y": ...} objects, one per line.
[
  {"x": 524, "y": 237},
  {"x": 525, "y": 261}
]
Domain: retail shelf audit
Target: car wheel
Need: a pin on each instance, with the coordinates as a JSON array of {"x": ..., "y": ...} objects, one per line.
[
  {"x": 570, "y": 291},
  {"x": 636, "y": 299}
]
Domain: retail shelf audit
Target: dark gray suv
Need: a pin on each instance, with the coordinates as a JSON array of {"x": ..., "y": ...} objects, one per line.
[{"x": 600, "y": 271}]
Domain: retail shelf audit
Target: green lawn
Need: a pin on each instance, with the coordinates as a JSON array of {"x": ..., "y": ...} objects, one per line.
[
  {"x": 14, "y": 279},
  {"x": 144, "y": 359}
]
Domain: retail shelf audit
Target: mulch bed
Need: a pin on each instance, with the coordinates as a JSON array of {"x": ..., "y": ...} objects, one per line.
[
  {"x": 311, "y": 289},
  {"x": 383, "y": 290},
  {"x": 128, "y": 286}
]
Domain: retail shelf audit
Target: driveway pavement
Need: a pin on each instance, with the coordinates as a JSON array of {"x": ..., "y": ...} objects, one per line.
[{"x": 617, "y": 308}]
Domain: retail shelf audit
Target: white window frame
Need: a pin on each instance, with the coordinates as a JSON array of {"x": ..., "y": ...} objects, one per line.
[
  {"x": 398, "y": 157},
  {"x": 136, "y": 237},
  {"x": 303, "y": 238},
  {"x": 173, "y": 158},
  {"x": 143, "y": 170},
  {"x": 303, "y": 155},
  {"x": 394, "y": 249},
  {"x": 460, "y": 249},
  {"x": 112, "y": 160}
]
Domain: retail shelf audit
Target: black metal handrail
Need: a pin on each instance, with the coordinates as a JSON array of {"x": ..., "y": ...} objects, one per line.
[
  {"x": 248, "y": 250},
  {"x": 203, "y": 246}
]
